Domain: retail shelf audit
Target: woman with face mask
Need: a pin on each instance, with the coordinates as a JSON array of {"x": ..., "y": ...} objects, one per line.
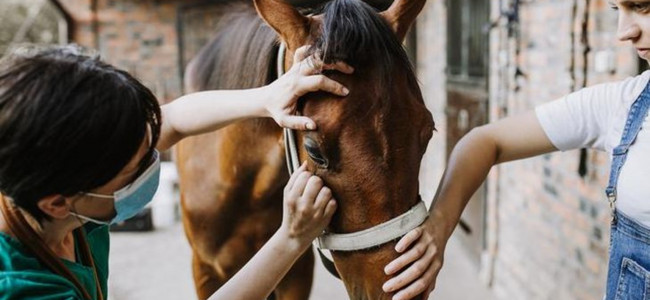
[
  {"x": 609, "y": 117},
  {"x": 79, "y": 150}
]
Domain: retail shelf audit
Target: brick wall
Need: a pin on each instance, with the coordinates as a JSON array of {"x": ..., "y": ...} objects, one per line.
[
  {"x": 138, "y": 36},
  {"x": 547, "y": 228}
]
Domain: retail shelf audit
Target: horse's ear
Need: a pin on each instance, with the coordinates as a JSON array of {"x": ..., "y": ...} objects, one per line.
[
  {"x": 401, "y": 14},
  {"x": 292, "y": 26}
]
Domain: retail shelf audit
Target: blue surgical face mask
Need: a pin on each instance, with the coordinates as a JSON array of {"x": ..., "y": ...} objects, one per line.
[{"x": 132, "y": 198}]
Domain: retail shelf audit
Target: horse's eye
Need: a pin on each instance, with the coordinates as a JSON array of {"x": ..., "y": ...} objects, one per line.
[{"x": 315, "y": 154}]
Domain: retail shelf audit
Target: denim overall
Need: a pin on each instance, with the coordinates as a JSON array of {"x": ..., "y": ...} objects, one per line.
[{"x": 629, "y": 254}]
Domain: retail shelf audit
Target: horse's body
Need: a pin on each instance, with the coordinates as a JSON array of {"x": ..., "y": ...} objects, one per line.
[{"x": 232, "y": 180}]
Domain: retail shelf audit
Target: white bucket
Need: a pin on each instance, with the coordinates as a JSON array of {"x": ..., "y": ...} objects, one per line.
[{"x": 165, "y": 204}]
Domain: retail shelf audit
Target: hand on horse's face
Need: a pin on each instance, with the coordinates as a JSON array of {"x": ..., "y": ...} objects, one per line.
[
  {"x": 308, "y": 207},
  {"x": 417, "y": 267},
  {"x": 303, "y": 77}
]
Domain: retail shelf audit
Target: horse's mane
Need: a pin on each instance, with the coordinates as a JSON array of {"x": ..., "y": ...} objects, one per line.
[
  {"x": 241, "y": 54},
  {"x": 354, "y": 32}
]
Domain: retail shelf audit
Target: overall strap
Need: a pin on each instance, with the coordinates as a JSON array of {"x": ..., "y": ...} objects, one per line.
[
  {"x": 636, "y": 116},
  {"x": 21, "y": 229}
]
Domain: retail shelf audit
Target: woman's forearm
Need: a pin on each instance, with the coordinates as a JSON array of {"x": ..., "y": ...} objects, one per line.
[
  {"x": 207, "y": 111},
  {"x": 308, "y": 207},
  {"x": 469, "y": 165},
  {"x": 470, "y": 162},
  {"x": 265, "y": 270}
]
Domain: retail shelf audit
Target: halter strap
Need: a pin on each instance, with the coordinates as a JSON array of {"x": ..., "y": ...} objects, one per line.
[
  {"x": 377, "y": 235},
  {"x": 291, "y": 151},
  {"x": 26, "y": 235}
]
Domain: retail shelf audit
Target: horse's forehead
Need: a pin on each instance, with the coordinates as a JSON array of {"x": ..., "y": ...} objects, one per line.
[
  {"x": 368, "y": 104},
  {"x": 352, "y": 117},
  {"x": 327, "y": 111}
]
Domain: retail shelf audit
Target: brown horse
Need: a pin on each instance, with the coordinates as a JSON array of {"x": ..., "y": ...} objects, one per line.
[{"x": 367, "y": 148}]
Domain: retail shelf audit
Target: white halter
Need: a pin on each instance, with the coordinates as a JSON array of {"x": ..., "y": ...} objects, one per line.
[{"x": 371, "y": 237}]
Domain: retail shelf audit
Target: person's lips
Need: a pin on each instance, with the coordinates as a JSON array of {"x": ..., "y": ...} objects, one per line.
[{"x": 643, "y": 51}]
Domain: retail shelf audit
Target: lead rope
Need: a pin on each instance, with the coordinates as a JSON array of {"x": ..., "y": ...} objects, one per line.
[
  {"x": 26, "y": 235},
  {"x": 293, "y": 162}
]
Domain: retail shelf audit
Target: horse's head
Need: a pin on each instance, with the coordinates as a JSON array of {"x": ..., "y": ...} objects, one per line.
[{"x": 368, "y": 145}]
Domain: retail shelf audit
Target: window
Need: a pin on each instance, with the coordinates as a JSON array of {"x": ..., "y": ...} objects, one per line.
[
  {"x": 31, "y": 22},
  {"x": 467, "y": 39}
]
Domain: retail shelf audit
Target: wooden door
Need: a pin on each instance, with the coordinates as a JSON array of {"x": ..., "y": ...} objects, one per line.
[{"x": 467, "y": 98}]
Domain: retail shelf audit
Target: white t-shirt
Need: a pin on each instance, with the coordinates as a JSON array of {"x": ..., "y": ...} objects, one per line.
[{"x": 594, "y": 118}]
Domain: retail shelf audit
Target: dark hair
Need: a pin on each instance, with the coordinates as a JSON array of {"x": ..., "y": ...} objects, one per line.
[
  {"x": 68, "y": 123},
  {"x": 354, "y": 32}
]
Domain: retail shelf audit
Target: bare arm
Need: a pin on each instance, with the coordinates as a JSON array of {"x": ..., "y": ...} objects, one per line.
[
  {"x": 308, "y": 208},
  {"x": 471, "y": 160},
  {"x": 258, "y": 278},
  {"x": 207, "y": 111}
]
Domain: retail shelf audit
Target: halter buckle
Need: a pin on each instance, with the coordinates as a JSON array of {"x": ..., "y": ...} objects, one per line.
[{"x": 611, "y": 197}]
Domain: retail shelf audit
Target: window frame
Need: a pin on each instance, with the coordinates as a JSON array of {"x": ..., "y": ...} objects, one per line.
[{"x": 463, "y": 23}]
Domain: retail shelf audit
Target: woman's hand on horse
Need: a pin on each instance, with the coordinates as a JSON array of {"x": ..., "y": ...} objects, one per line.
[
  {"x": 303, "y": 77},
  {"x": 308, "y": 207},
  {"x": 420, "y": 261}
]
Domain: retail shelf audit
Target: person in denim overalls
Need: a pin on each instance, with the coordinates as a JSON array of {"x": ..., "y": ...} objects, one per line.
[
  {"x": 629, "y": 253},
  {"x": 606, "y": 117}
]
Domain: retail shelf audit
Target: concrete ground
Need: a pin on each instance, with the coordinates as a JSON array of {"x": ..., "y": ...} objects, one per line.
[{"x": 156, "y": 265}]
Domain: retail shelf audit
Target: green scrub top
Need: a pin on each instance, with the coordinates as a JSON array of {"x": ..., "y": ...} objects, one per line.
[{"x": 22, "y": 276}]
